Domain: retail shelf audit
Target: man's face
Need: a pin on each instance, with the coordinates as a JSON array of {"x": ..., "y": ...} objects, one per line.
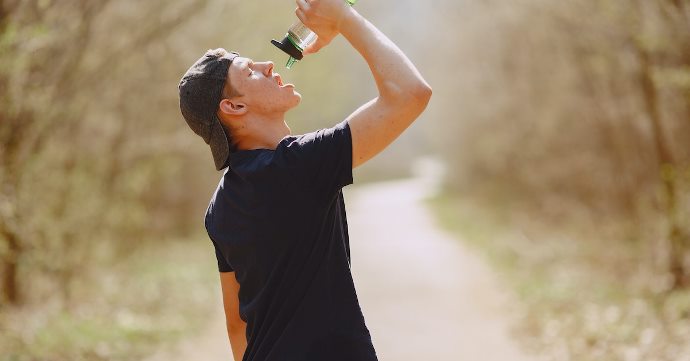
[{"x": 260, "y": 88}]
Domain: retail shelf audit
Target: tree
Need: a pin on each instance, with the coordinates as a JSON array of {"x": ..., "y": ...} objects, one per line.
[{"x": 53, "y": 72}]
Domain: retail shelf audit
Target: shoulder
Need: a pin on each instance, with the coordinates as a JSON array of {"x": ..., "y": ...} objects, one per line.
[
  {"x": 317, "y": 141},
  {"x": 321, "y": 160},
  {"x": 342, "y": 128}
]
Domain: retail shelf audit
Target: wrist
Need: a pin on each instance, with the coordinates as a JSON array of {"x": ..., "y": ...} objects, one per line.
[{"x": 347, "y": 20}]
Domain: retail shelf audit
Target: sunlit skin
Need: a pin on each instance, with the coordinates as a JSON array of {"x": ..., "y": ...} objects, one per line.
[{"x": 255, "y": 115}]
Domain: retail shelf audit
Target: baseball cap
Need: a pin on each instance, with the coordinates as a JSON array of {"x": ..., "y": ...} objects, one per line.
[{"x": 201, "y": 90}]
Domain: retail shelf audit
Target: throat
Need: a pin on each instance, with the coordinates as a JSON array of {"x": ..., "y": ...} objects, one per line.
[{"x": 263, "y": 135}]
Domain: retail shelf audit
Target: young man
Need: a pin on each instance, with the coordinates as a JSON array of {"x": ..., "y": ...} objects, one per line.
[{"x": 277, "y": 219}]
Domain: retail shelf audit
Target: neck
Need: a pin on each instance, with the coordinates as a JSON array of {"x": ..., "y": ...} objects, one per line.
[{"x": 263, "y": 131}]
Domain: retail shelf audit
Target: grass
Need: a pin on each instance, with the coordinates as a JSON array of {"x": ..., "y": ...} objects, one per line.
[
  {"x": 584, "y": 295},
  {"x": 153, "y": 297}
]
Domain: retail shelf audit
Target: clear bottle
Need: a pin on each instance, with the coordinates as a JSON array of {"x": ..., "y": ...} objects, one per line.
[{"x": 298, "y": 37}]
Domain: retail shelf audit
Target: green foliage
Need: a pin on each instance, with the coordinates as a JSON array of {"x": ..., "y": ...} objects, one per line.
[
  {"x": 149, "y": 298},
  {"x": 578, "y": 109},
  {"x": 583, "y": 296},
  {"x": 565, "y": 131}
]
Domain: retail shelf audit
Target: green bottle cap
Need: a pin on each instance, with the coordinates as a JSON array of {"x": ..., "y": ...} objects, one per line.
[{"x": 290, "y": 62}]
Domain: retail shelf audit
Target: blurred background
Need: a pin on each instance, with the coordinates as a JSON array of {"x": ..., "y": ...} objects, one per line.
[{"x": 562, "y": 129}]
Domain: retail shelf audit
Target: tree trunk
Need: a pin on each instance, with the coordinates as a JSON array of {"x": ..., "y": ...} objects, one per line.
[
  {"x": 10, "y": 284},
  {"x": 677, "y": 238}
]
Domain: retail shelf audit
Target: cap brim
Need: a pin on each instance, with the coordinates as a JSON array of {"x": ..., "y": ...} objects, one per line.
[{"x": 220, "y": 149}]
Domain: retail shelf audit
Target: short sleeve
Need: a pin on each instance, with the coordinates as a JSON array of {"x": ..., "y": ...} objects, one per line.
[
  {"x": 223, "y": 265},
  {"x": 325, "y": 158}
]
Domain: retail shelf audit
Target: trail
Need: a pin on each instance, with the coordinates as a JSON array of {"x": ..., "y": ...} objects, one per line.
[{"x": 423, "y": 295}]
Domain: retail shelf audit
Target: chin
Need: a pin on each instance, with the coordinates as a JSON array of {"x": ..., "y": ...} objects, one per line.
[{"x": 297, "y": 99}]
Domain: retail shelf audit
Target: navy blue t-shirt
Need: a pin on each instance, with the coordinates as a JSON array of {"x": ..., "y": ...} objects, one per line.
[{"x": 277, "y": 219}]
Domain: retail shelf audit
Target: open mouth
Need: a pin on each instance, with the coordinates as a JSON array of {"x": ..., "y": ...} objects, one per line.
[{"x": 279, "y": 81}]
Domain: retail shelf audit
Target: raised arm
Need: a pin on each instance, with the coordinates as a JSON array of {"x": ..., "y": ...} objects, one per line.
[{"x": 403, "y": 93}]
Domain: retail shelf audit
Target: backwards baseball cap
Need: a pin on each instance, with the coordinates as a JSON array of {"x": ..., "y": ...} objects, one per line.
[{"x": 201, "y": 90}]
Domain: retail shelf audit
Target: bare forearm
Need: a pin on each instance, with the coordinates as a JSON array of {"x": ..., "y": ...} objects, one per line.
[
  {"x": 394, "y": 73},
  {"x": 403, "y": 93},
  {"x": 238, "y": 341}
]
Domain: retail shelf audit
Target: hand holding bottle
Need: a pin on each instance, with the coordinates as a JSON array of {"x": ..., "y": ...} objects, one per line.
[{"x": 323, "y": 17}]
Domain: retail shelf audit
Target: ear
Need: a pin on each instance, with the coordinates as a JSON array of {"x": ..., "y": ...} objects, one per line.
[{"x": 233, "y": 107}]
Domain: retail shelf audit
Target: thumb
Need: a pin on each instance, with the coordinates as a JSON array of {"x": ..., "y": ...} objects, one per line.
[{"x": 315, "y": 46}]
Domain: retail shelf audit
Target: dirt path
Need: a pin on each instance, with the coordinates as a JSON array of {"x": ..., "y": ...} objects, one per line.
[{"x": 423, "y": 295}]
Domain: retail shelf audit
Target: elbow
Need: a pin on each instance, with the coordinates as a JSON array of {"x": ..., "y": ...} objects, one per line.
[
  {"x": 415, "y": 96},
  {"x": 423, "y": 93},
  {"x": 420, "y": 95}
]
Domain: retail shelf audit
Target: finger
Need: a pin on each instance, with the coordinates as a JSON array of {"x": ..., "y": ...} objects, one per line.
[
  {"x": 315, "y": 46},
  {"x": 303, "y": 4},
  {"x": 300, "y": 15}
]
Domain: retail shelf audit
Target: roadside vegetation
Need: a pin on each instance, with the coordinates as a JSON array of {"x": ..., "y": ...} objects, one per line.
[
  {"x": 584, "y": 294},
  {"x": 565, "y": 134},
  {"x": 125, "y": 310}
]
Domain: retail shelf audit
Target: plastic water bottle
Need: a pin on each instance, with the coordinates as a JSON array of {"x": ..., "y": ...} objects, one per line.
[{"x": 298, "y": 37}]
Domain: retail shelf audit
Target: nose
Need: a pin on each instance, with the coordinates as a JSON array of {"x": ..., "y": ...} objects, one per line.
[{"x": 268, "y": 70}]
